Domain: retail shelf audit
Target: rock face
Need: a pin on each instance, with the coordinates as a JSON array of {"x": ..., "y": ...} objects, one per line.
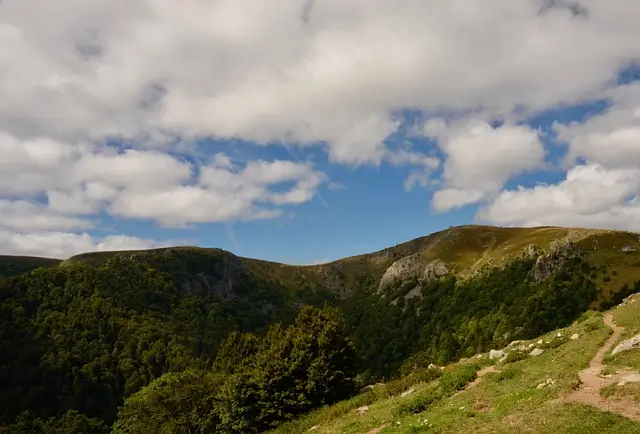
[
  {"x": 627, "y": 345},
  {"x": 549, "y": 263},
  {"x": 532, "y": 251},
  {"x": 403, "y": 269},
  {"x": 435, "y": 270}
]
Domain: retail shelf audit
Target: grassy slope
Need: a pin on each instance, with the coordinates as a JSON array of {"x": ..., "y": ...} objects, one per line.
[
  {"x": 502, "y": 402},
  {"x": 626, "y": 315}
]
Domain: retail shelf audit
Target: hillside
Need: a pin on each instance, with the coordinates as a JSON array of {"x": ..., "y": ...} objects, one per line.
[
  {"x": 565, "y": 381},
  {"x": 97, "y": 329},
  {"x": 14, "y": 265},
  {"x": 464, "y": 250}
]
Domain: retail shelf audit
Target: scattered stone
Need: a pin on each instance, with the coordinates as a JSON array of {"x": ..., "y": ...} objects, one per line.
[
  {"x": 536, "y": 352},
  {"x": 574, "y": 336},
  {"x": 540, "y": 342},
  {"x": 559, "y": 335},
  {"x": 407, "y": 392},
  {"x": 530, "y": 346},
  {"x": 622, "y": 383},
  {"x": 627, "y": 345},
  {"x": 362, "y": 410},
  {"x": 479, "y": 356},
  {"x": 496, "y": 354},
  {"x": 516, "y": 343},
  {"x": 314, "y": 427},
  {"x": 547, "y": 383}
]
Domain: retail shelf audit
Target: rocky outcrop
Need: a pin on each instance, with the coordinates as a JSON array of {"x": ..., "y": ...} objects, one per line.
[
  {"x": 532, "y": 251},
  {"x": 435, "y": 270},
  {"x": 629, "y": 344},
  {"x": 547, "y": 264},
  {"x": 403, "y": 269}
]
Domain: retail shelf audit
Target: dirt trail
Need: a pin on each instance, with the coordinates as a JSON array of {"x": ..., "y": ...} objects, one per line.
[{"x": 592, "y": 382}]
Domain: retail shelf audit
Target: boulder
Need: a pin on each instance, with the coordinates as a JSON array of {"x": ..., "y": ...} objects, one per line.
[
  {"x": 536, "y": 352},
  {"x": 574, "y": 336},
  {"x": 362, "y": 410},
  {"x": 407, "y": 392},
  {"x": 627, "y": 345},
  {"x": 496, "y": 354}
]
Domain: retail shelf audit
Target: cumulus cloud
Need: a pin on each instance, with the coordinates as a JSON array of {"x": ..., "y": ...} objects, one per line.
[
  {"x": 84, "y": 79},
  {"x": 64, "y": 244},
  {"x": 480, "y": 159},
  {"x": 590, "y": 196},
  {"x": 603, "y": 192},
  {"x": 261, "y": 72}
]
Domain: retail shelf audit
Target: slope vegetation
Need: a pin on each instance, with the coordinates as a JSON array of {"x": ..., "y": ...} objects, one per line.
[{"x": 565, "y": 381}]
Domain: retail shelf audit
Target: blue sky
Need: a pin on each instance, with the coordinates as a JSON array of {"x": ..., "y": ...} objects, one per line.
[{"x": 233, "y": 124}]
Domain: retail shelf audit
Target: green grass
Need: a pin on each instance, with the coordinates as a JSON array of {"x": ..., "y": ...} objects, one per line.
[{"x": 502, "y": 402}]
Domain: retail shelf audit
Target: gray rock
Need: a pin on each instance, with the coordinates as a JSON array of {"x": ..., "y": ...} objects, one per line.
[
  {"x": 403, "y": 269},
  {"x": 435, "y": 270},
  {"x": 407, "y": 392},
  {"x": 415, "y": 292},
  {"x": 536, "y": 352},
  {"x": 496, "y": 354},
  {"x": 574, "y": 336},
  {"x": 627, "y": 345},
  {"x": 362, "y": 410},
  {"x": 532, "y": 251}
]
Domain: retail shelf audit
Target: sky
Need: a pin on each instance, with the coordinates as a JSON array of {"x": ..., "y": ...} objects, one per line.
[{"x": 305, "y": 131}]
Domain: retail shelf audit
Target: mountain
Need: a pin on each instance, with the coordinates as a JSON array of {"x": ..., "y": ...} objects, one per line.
[{"x": 93, "y": 331}]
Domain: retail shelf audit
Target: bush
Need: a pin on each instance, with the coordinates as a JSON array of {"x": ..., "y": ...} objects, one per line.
[
  {"x": 515, "y": 356},
  {"x": 508, "y": 374},
  {"x": 456, "y": 380},
  {"x": 419, "y": 403}
]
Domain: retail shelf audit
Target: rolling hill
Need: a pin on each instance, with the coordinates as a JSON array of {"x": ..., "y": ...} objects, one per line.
[{"x": 90, "y": 331}]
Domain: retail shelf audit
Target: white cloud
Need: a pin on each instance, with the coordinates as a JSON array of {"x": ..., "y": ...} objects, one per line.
[
  {"x": 231, "y": 68},
  {"x": 590, "y": 196},
  {"x": 22, "y": 215},
  {"x": 325, "y": 73},
  {"x": 481, "y": 159},
  {"x": 64, "y": 244},
  {"x": 612, "y": 138}
]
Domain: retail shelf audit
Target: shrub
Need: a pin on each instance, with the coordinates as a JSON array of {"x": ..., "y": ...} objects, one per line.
[
  {"x": 515, "y": 356},
  {"x": 508, "y": 374},
  {"x": 457, "y": 379},
  {"x": 419, "y": 403}
]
